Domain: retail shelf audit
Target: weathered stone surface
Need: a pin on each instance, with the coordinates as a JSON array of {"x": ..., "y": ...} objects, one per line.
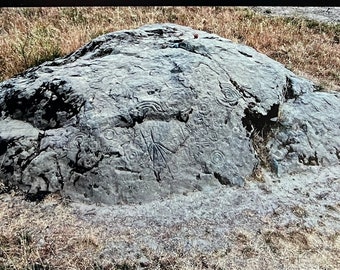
[
  {"x": 139, "y": 115},
  {"x": 308, "y": 133}
]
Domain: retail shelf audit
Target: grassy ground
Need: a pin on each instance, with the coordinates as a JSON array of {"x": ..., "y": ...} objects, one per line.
[
  {"x": 44, "y": 236},
  {"x": 29, "y": 36},
  {"x": 49, "y": 235}
]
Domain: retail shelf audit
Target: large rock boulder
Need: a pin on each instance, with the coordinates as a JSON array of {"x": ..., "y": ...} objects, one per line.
[{"x": 139, "y": 115}]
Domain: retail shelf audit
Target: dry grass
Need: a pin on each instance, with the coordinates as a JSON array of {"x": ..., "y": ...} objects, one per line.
[
  {"x": 30, "y": 36},
  {"x": 50, "y": 235},
  {"x": 44, "y": 236}
]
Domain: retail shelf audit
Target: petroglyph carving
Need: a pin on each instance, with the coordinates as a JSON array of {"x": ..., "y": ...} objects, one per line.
[
  {"x": 77, "y": 140},
  {"x": 204, "y": 107},
  {"x": 142, "y": 114},
  {"x": 158, "y": 154},
  {"x": 149, "y": 105},
  {"x": 217, "y": 158},
  {"x": 230, "y": 95},
  {"x": 109, "y": 134}
]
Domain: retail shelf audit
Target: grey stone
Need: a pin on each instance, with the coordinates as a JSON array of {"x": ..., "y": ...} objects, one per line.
[
  {"x": 139, "y": 115},
  {"x": 308, "y": 133}
]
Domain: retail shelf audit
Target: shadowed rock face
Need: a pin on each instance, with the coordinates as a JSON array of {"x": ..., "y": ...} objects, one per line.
[{"x": 137, "y": 115}]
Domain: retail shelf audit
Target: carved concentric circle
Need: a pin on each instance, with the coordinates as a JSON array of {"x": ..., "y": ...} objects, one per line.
[
  {"x": 204, "y": 108},
  {"x": 132, "y": 155},
  {"x": 213, "y": 136},
  {"x": 109, "y": 134},
  {"x": 230, "y": 96},
  {"x": 77, "y": 140},
  {"x": 217, "y": 158}
]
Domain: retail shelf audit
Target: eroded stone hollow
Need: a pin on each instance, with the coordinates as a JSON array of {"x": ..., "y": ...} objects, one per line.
[{"x": 139, "y": 115}]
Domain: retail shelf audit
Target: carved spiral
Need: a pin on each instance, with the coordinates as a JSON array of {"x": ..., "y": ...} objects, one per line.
[{"x": 217, "y": 157}]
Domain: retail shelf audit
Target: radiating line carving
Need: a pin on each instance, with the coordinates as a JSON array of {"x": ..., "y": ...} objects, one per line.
[{"x": 158, "y": 153}]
